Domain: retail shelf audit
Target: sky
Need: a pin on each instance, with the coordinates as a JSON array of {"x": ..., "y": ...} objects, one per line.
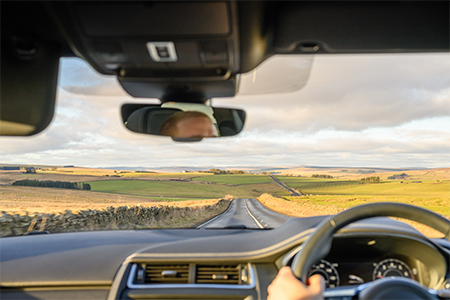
[{"x": 370, "y": 110}]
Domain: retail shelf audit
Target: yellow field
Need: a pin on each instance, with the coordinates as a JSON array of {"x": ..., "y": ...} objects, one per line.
[
  {"x": 124, "y": 174},
  {"x": 87, "y": 174},
  {"x": 351, "y": 173},
  {"x": 307, "y": 207},
  {"x": 20, "y": 199},
  {"x": 429, "y": 189}
]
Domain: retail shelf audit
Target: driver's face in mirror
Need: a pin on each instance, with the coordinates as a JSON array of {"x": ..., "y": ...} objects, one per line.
[{"x": 189, "y": 125}]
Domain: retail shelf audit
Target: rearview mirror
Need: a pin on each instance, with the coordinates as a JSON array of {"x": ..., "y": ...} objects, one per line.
[{"x": 183, "y": 121}]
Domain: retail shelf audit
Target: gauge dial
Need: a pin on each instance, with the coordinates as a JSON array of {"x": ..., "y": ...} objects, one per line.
[
  {"x": 392, "y": 268},
  {"x": 327, "y": 271}
]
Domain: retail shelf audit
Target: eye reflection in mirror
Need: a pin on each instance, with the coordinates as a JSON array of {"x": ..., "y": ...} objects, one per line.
[{"x": 188, "y": 125}]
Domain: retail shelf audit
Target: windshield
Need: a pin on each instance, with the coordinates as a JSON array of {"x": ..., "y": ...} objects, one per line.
[{"x": 354, "y": 129}]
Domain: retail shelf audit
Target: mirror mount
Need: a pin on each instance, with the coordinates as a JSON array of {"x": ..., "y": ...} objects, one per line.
[
  {"x": 190, "y": 90},
  {"x": 185, "y": 98}
]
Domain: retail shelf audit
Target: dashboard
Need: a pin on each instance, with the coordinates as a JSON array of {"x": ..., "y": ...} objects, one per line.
[{"x": 211, "y": 263}]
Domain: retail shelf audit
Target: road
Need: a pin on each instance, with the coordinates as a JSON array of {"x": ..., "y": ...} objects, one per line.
[
  {"x": 284, "y": 186},
  {"x": 246, "y": 212}
]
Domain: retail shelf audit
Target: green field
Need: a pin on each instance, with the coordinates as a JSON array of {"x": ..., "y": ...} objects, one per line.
[
  {"x": 429, "y": 194},
  {"x": 317, "y": 185},
  {"x": 179, "y": 190},
  {"x": 234, "y": 179},
  {"x": 164, "y": 176},
  {"x": 320, "y": 186}
]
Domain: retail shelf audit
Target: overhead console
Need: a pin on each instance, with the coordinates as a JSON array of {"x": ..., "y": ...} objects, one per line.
[{"x": 158, "y": 49}]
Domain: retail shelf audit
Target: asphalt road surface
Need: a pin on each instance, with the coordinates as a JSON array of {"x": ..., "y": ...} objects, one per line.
[
  {"x": 284, "y": 186},
  {"x": 246, "y": 212}
]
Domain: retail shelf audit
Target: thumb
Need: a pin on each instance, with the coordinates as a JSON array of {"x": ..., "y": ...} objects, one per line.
[{"x": 317, "y": 283}]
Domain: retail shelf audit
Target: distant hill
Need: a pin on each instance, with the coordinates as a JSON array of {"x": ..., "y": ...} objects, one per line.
[
  {"x": 302, "y": 170},
  {"x": 178, "y": 169},
  {"x": 29, "y": 166}
]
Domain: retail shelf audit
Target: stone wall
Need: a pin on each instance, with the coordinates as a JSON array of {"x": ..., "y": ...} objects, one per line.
[{"x": 123, "y": 217}]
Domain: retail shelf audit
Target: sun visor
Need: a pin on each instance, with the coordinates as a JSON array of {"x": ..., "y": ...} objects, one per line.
[
  {"x": 278, "y": 74},
  {"x": 29, "y": 90}
]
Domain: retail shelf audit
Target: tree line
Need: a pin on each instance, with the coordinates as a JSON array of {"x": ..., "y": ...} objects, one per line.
[
  {"x": 398, "y": 176},
  {"x": 321, "y": 176},
  {"x": 373, "y": 179},
  {"x": 220, "y": 172},
  {"x": 53, "y": 184}
]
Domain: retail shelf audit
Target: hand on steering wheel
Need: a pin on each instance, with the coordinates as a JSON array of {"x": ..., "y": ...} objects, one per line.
[{"x": 287, "y": 287}]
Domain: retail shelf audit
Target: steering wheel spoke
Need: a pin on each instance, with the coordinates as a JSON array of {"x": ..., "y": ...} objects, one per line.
[{"x": 341, "y": 293}]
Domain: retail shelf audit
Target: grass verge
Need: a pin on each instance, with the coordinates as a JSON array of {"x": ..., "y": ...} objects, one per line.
[{"x": 330, "y": 205}]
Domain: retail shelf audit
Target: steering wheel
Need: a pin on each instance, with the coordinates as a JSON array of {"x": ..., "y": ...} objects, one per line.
[{"x": 319, "y": 243}]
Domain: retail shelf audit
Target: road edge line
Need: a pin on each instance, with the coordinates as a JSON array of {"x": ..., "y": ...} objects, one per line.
[
  {"x": 210, "y": 220},
  {"x": 254, "y": 219}
]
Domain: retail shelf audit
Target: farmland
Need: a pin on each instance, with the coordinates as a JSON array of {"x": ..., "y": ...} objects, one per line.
[
  {"x": 234, "y": 179},
  {"x": 129, "y": 188},
  {"x": 353, "y": 187},
  {"x": 426, "y": 188},
  {"x": 430, "y": 194},
  {"x": 187, "y": 189},
  {"x": 32, "y": 200}
]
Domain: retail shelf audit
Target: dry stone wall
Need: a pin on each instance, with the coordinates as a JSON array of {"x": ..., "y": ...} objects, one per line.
[{"x": 122, "y": 217}]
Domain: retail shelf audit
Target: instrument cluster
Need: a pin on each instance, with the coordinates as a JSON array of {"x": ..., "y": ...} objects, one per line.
[
  {"x": 354, "y": 260},
  {"x": 348, "y": 273}
]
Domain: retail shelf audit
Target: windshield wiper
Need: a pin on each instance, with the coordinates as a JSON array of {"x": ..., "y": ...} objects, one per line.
[
  {"x": 240, "y": 226},
  {"x": 36, "y": 232}
]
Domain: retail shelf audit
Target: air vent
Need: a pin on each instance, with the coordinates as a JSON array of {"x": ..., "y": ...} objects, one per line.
[
  {"x": 155, "y": 274},
  {"x": 172, "y": 276},
  {"x": 225, "y": 274}
]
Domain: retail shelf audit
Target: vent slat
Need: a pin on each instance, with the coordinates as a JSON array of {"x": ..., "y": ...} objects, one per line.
[
  {"x": 159, "y": 274},
  {"x": 153, "y": 274},
  {"x": 216, "y": 273},
  {"x": 218, "y": 281},
  {"x": 205, "y": 274},
  {"x": 163, "y": 277},
  {"x": 219, "y": 267}
]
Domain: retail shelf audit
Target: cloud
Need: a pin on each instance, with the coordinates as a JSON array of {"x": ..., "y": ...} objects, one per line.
[
  {"x": 356, "y": 92},
  {"x": 387, "y": 111},
  {"x": 78, "y": 77}
]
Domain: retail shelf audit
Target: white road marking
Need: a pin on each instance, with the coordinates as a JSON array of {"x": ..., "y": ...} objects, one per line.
[
  {"x": 254, "y": 219},
  {"x": 210, "y": 220}
]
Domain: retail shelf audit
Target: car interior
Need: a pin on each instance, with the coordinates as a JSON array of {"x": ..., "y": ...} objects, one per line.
[{"x": 186, "y": 53}]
